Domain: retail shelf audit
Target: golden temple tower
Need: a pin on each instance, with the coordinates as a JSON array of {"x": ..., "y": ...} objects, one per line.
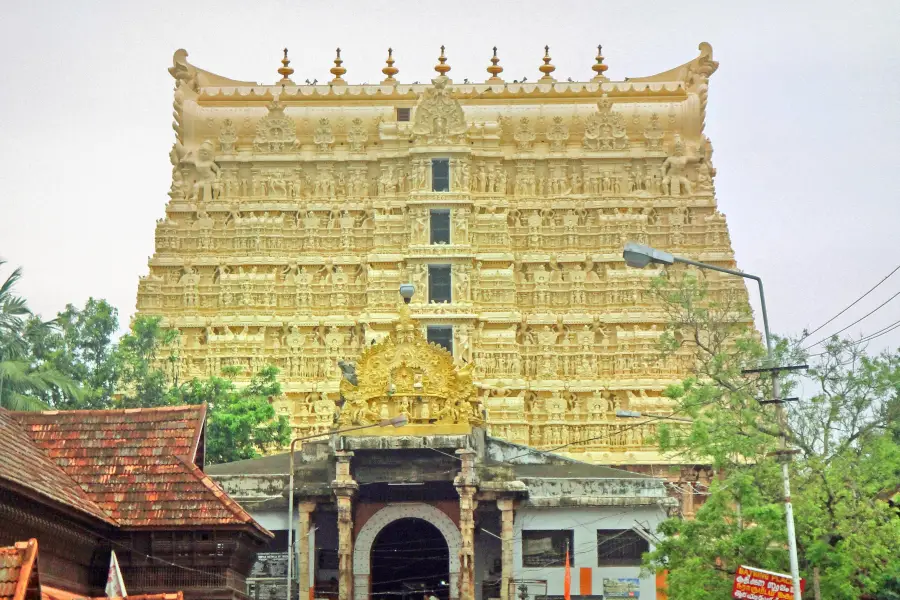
[{"x": 296, "y": 211}]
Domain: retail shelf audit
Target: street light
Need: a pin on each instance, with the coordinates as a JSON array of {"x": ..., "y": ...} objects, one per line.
[
  {"x": 406, "y": 291},
  {"x": 639, "y": 256},
  {"x": 398, "y": 421}
]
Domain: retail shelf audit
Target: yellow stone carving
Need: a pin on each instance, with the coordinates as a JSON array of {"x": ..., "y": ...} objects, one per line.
[{"x": 296, "y": 211}]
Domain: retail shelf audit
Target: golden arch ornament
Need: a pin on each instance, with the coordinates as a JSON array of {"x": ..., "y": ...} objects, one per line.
[{"x": 404, "y": 374}]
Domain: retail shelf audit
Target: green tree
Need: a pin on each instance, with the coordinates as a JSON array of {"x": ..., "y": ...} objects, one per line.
[
  {"x": 144, "y": 358},
  {"x": 241, "y": 422},
  {"x": 847, "y": 466},
  {"x": 22, "y": 381},
  {"x": 81, "y": 347}
]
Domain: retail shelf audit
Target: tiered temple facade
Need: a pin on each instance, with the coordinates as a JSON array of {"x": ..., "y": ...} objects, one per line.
[{"x": 296, "y": 211}]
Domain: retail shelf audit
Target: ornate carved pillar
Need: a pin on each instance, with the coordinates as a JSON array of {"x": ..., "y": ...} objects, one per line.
[
  {"x": 506, "y": 506},
  {"x": 344, "y": 488},
  {"x": 304, "y": 512},
  {"x": 466, "y": 483}
]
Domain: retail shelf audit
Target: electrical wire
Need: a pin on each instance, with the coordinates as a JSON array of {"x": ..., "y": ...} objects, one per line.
[
  {"x": 851, "y": 305},
  {"x": 865, "y": 316},
  {"x": 877, "y": 334}
]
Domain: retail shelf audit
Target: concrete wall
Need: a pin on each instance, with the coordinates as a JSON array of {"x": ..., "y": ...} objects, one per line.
[{"x": 584, "y": 522}]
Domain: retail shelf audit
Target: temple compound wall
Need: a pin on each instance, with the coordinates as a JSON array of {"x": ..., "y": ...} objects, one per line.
[{"x": 297, "y": 210}]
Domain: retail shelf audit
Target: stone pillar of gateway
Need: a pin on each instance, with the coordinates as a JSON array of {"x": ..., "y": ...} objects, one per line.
[{"x": 431, "y": 508}]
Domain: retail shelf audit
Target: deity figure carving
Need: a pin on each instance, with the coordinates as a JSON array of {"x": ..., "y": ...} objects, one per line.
[
  {"x": 524, "y": 135},
  {"x": 704, "y": 177},
  {"x": 357, "y": 136},
  {"x": 276, "y": 132},
  {"x": 439, "y": 118},
  {"x": 419, "y": 225},
  {"x": 558, "y": 135},
  {"x": 177, "y": 189},
  {"x": 461, "y": 284},
  {"x": 206, "y": 172},
  {"x": 323, "y": 137},
  {"x": 605, "y": 129},
  {"x": 480, "y": 179},
  {"x": 457, "y": 173},
  {"x": 227, "y": 136},
  {"x": 675, "y": 169},
  {"x": 461, "y": 226},
  {"x": 654, "y": 134}
]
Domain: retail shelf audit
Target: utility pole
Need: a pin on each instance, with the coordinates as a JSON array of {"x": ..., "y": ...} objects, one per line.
[{"x": 639, "y": 256}]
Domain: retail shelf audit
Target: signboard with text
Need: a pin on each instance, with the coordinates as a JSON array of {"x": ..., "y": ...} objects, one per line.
[
  {"x": 622, "y": 587},
  {"x": 756, "y": 584}
]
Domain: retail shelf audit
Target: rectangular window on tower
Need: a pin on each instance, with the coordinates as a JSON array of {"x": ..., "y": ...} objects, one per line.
[
  {"x": 439, "y": 284},
  {"x": 440, "y": 174},
  {"x": 440, "y": 226},
  {"x": 442, "y": 335},
  {"x": 403, "y": 115},
  {"x": 620, "y": 547},
  {"x": 546, "y": 547}
]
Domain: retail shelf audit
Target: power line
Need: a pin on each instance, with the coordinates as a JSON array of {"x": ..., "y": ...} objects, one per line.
[
  {"x": 897, "y": 268},
  {"x": 871, "y": 312},
  {"x": 877, "y": 334}
]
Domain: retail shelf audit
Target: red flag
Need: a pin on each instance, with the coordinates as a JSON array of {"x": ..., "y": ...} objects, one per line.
[{"x": 567, "y": 582}]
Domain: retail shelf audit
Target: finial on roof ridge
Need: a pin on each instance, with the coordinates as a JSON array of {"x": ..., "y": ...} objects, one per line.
[
  {"x": 599, "y": 68},
  {"x": 546, "y": 68},
  {"x": 442, "y": 68},
  {"x": 390, "y": 70},
  {"x": 285, "y": 71},
  {"x": 495, "y": 69},
  {"x": 337, "y": 70}
]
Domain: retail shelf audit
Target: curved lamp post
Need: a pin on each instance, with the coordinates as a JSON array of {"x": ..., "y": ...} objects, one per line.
[{"x": 639, "y": 256}]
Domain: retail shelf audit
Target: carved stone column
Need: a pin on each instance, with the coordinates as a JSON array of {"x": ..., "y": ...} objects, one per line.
[
  {"x": 344, "y": 488},
  {"x": 304, "y": 512},
  {"x": 506, "y": 506},
  {"x": 466, "y": 483}
]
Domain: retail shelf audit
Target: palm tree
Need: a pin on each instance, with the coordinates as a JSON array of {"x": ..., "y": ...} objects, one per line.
[{"x": 20, "y": 381}]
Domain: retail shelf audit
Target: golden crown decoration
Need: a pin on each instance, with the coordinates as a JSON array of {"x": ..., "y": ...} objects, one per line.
[{"x": 404, "y": 374}]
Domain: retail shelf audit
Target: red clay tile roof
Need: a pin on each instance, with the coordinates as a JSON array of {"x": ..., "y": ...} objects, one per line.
[
  {"x": 28, "y": 467},
  {"x": 137, "y": 464},
  {"x": 50, "y": 593},
  {"x": 18, "y": 571}
]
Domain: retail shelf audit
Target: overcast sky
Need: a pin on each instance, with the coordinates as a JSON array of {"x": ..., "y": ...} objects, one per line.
[{"x": 803, "y": 115}]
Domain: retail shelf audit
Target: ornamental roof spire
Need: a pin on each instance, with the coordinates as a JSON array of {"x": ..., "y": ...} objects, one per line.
[
  {"x": 599, "y": 68},
  {"x": 546, "y": 68},
  {"x": 495, "y": 69},
  {"x": 390, "y": 70},
  {"x": 285, "y": 71},
  {"x": 442, "y": 68},
  {"x": 337, "y": 70}
]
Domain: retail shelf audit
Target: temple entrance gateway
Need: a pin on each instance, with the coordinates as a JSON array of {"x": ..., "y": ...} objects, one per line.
[
  {"x": 410, "y": 558},
  {"x": 401, "y": 523}
]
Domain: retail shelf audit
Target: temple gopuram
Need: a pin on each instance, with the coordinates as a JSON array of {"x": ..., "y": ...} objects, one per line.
[{"x": 296, "y": 211}]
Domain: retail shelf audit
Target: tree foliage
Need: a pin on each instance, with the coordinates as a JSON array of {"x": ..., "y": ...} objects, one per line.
[
  {"x": 241, "y": 422},
  {"x": 74, "y": 362},
  {"x": 23, "y": 380},
  {"x": 847, "y": 469}
]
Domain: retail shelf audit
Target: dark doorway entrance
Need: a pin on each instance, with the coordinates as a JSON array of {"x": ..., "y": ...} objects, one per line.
[{"x": 410, "y": 561}]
